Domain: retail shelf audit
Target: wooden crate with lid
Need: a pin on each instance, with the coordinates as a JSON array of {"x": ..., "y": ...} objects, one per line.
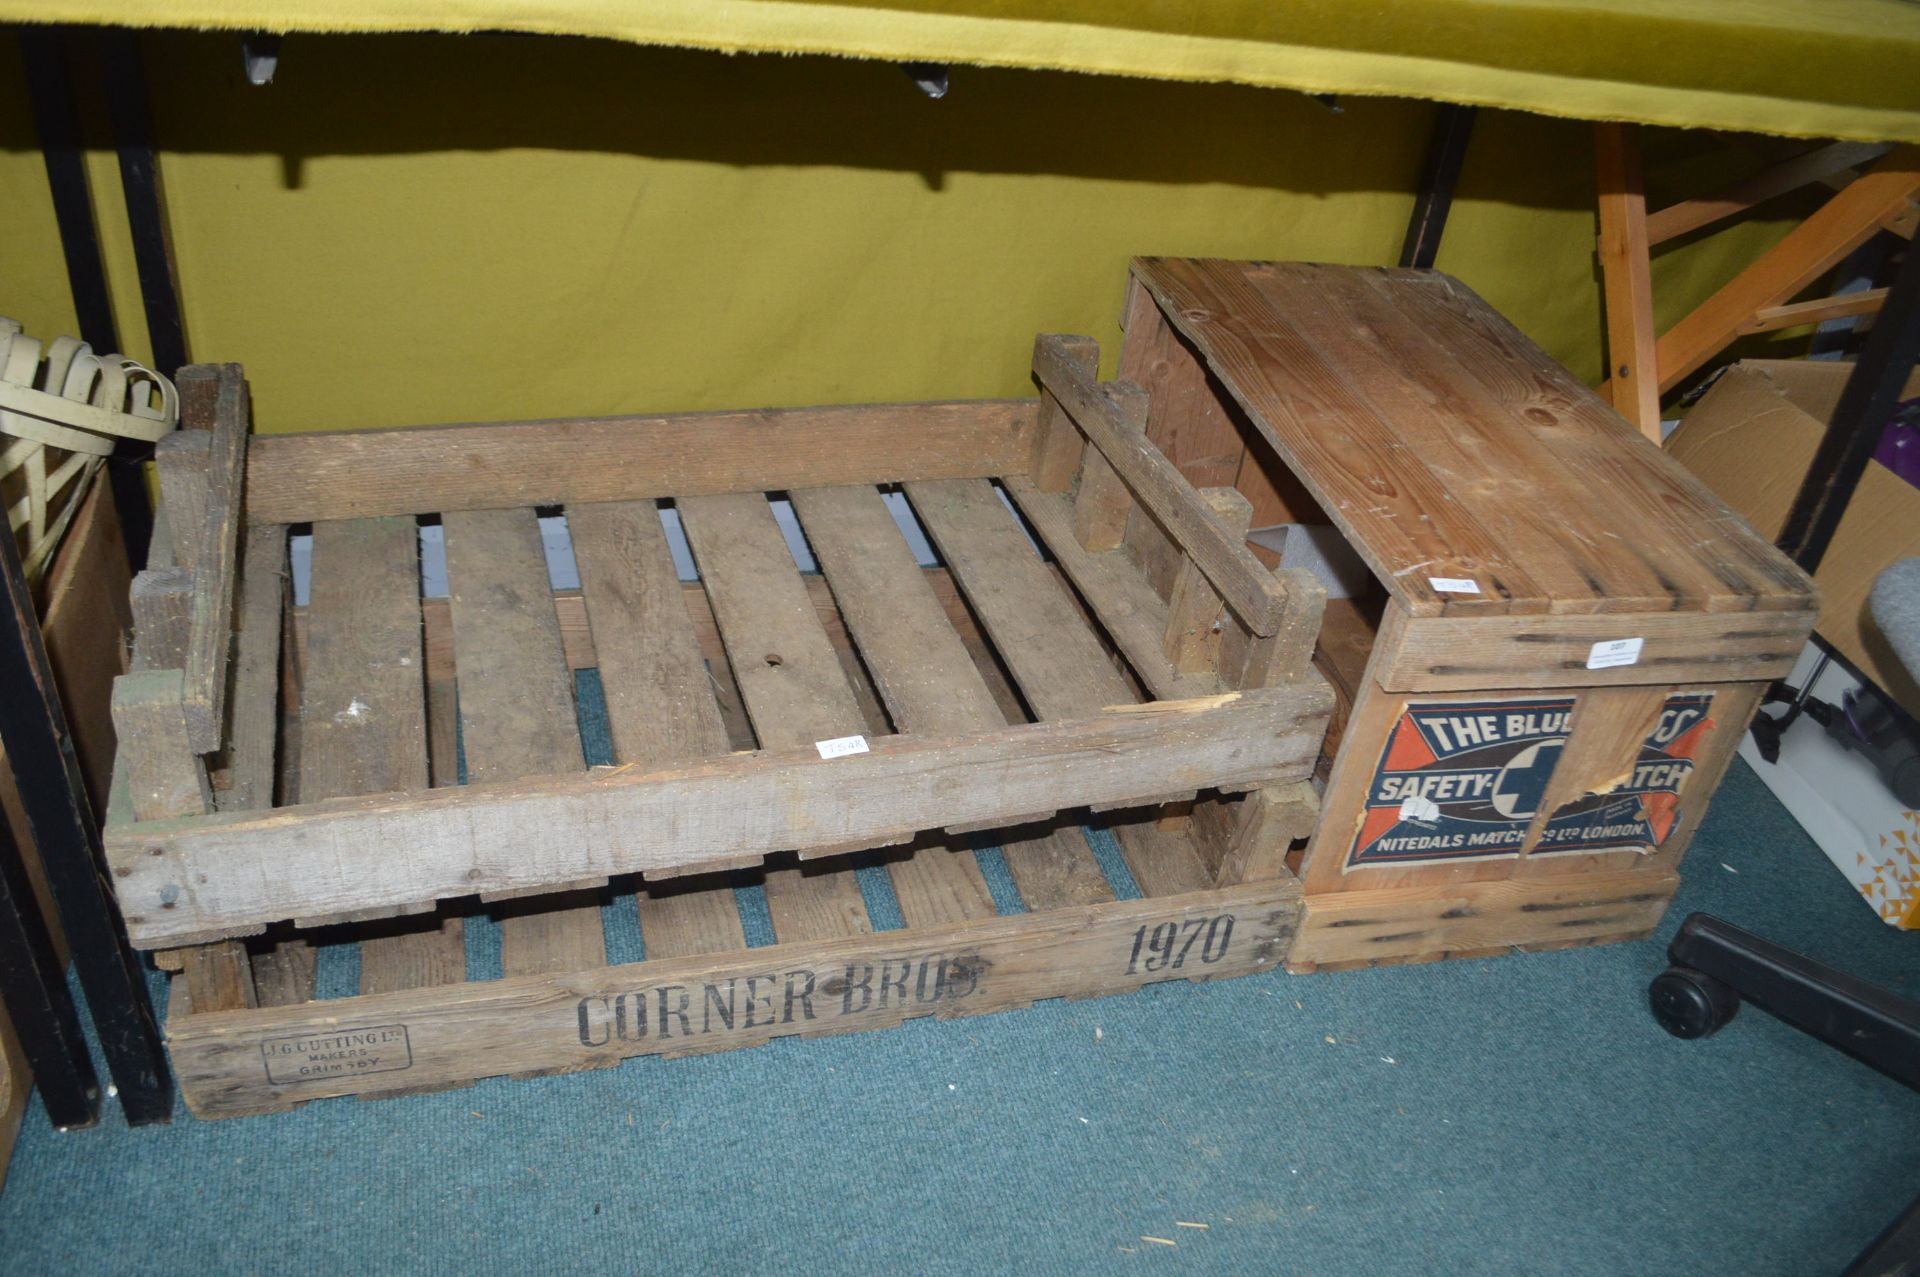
[{"x": 1572, "y": 632}]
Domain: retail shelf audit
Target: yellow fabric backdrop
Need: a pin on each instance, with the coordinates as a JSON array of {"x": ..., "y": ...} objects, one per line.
[
  {"x": 406, "y": 229},
  {"x": 1841, "y": 68}
]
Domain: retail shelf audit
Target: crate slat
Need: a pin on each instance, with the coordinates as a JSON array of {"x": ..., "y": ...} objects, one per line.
[
  {"x": 789, "y": 676},
  {"x": 364, "y": 720},
  {"x": 1718, "y": 562},
  {"x": 549, "y": 831},
  {"x": 425, "y": 469},
  {"x": 922, "y": 670},
  {"x": 283, "y": 963},
  {"x": 363, "y": 724},
  {"x": 516, "y": 707},
  {"x": 231, "y": 1064},
  {"x": 1000, "y": 576},
  {"x": 660, "y": 701}
]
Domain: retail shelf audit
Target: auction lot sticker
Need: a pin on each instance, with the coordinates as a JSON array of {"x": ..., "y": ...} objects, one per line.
[{"x": 1460, "y": 780}]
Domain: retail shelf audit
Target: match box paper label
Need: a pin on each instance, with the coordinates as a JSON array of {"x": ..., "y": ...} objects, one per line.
[
  {"x": 841, "y": 746},
  {"x": 1609, "y": 653},
  {"x": 1461, "y": 779},
  {"x": 1642, "y": 810}
]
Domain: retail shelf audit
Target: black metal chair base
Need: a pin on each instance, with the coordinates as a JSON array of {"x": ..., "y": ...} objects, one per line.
[{"x": 1717, "y": 966}]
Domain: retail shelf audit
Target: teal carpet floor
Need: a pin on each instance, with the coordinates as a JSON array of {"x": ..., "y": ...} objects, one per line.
[{"x": 1518, "y": 1115}]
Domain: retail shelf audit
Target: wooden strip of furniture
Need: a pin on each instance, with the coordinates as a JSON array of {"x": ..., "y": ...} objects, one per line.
[
  {"x": 516, "y": 707},
  {"x": 236, "y": 1063},
  {"x": 283, "y": 966},
  {"x": 210, "y": 634},
  {"x": 1835, "y": 161},
  {"x": 363, "y": 723},
  {"x": 1625, "y": 241},
  {"x": 1679, "y": 527},
  {"x": 1474, "y": 919},
  {"x": 789, "y": 677},
  {"x": 538, "y": 833},
  {"x": 426, "y": 469},
  {"x": 660, "y": 701},
  {"x": 1056, "y": 660},
  {"x": 254, "y": 718},
  {"x": 1118, "y": 435},
  {"x": 924, "y": 674},
  {"x": 1330, "y": 440},
  {"x": 1816, "y": 311},
  {"x": 1455, "y": 654}
]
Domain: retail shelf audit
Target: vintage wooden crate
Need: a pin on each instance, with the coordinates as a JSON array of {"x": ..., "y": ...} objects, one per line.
[
  {"x": 996, "y": 692},
  {"x": 1571, "y": 632}
]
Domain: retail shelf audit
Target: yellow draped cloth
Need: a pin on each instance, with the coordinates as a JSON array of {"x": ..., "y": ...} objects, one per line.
[{"x": 1812, "y": 68}]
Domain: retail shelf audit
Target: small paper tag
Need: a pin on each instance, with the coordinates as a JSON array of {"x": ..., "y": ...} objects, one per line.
[
  {"x": 841, "y": 746},
  {"x": 1453, "y": 585},
  {"x": 1608, "y": 653}
]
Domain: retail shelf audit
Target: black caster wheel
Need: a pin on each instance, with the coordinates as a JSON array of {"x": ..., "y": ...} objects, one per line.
[{"x": 1689, "y": 1004}]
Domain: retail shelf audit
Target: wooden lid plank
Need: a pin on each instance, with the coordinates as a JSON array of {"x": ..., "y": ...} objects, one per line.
[
  {"x": 1648, "y": 500},
  {"x": 1378, "y": 491},
  {"x": 1444, "y": 444}
]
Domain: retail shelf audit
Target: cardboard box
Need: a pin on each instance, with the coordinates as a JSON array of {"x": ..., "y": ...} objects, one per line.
[
  {"x": 1751, "y": 439},
  {"x": 1843, "y": 804}
]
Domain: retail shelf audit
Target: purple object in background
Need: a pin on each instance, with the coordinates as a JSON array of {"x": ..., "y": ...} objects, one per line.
[{"x": 1899, "y": 449}]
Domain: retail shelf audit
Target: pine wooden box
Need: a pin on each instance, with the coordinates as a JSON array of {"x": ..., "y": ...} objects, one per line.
[
  {"x": 1568, "y": 635},
  {"x": 307, "y": 789}
]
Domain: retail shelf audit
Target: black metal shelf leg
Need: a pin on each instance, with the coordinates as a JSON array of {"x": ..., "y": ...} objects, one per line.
[
  {"x": 43, "y": 50},
  {"x": 33, "y": 987},
  {"x": 1452, "y": 128},
  {"x": 33, "y": 729}
]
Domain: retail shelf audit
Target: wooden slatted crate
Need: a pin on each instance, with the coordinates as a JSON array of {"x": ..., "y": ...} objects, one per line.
[
  {"x": 375, "y": 771},
  {"x": 1568, "y": 634}
]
